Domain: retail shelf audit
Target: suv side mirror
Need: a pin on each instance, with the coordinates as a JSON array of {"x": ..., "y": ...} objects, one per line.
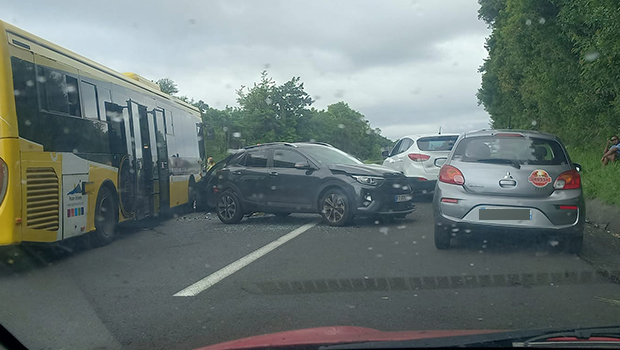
[
  {"x": 385, "y": 154},
  {"x": 440, "y": 161},
  {"x": 304, "y": 166},
  {"x": 578, "y": 167}
]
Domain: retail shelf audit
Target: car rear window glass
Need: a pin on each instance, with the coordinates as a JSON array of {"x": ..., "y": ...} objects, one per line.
[
  {"x": 525, "y": 150},
  {"x": 436, "y": 143}
]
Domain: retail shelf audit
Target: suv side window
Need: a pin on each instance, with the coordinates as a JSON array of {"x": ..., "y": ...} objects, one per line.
[
  {"x": 257, "y": 158},
  {"x": 284, "y": 158},
  {"x": 405, "y": 144},
  {"x": 394, "y": 150}
]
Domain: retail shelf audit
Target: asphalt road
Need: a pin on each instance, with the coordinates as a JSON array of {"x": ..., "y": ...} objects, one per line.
[{"x": 371, "y": 274}]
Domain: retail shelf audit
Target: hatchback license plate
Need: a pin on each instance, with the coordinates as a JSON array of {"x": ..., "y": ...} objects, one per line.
[
  {"x": 504, "y": 214},
  {"x": 401, "y": 198}
]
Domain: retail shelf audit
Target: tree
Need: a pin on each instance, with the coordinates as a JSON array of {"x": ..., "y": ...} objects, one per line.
[
  {"x": 553, "y": 65},
  {"x": 168, "y": 86}
]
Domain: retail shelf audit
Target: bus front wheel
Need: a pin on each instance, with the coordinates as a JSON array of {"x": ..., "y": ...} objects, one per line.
[{"x": 106, "y": 217}]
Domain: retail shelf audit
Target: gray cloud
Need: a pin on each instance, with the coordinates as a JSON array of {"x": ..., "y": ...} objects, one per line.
[{"x": 398, "y": 62}]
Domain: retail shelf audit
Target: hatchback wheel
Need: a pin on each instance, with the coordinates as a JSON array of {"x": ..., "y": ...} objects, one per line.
[
  {"x": 335, "y": 208},
  {"x": 442, "y": 237},
  {"x": 229, "y": 209}
]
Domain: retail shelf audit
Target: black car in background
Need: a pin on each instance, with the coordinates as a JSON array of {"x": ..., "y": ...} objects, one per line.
[{"x": 284, "y": 178}]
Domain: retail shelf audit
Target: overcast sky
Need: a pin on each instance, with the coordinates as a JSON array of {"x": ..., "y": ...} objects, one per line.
[{"x": 409, "y": 66}]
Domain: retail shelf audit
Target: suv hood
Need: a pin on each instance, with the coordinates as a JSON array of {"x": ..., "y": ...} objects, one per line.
[
  {"x": 334, "y": 335},
  {"x": 365, "y": 169}
]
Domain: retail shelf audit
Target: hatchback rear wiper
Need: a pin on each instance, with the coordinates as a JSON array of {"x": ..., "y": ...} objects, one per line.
[{"x": 512, "y": 162}]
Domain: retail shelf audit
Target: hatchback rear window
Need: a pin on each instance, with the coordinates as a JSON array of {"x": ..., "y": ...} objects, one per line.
[
  {"x": 436, "y": 143},
  {"x": 525, "y": 150}
]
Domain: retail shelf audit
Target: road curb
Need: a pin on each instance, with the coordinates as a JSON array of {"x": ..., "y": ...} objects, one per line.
[{"x": 602, "y": 251}]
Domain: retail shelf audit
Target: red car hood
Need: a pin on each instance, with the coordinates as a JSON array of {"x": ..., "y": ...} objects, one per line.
[{"x": 334, "y": 335}]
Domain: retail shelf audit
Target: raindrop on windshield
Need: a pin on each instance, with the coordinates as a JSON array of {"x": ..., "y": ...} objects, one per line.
[
  {"x": 70, "y": 89},
  {"x": 225, "y": 128},
  {"x": 379, "y": 255},
  {"x": 236, "y": 134},
  {"x": 28, "y": 122},
  {"x": 415, "y": 242},
  {"x": 528, "y": 22},
  {"x": 16, "y": 92},
  {"x": 541, "y": 20},
  {"x": 396, "y": 185},
  {"x": 553, "y": 243},
  {"x": 273, "y": 188},
  {"x": 278, "y": 117},
  {"x": 30, "y": 83},
  {"x": 268, "y": 100},
  {"x": 384, "y": 230},
  {"x": 317, "y": 97},
  {"x": 75, "y": 150},
  {"x": 368, "y": 132},
  {"x": 339, "y": 94},
  {"x": 41, "y": 79},
  {"x": 401, "y": 227},
  {"x": 312, "y": 140},
  {"x": 369, "y": 248},
  {"x": 591, "y": 56},
  {"x": 341, "y": 126},
  {"x": 471, "y": 264},
  {"x": 376, "y": 222},
  {"x": 534, "y": 123}
]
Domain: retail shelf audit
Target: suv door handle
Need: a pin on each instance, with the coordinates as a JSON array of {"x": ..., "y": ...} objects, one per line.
[
  {"x": 236, "y": 172},
  {"x": 273, "y": 173}
]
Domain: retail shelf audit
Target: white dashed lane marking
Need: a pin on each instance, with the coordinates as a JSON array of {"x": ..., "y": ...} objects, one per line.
[{"x": 228, "y": 270}]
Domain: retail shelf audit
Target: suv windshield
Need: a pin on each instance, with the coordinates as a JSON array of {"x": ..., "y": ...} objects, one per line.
[
  {"x": 525, "y": 150},
  {"x": 327, "y": 155}
]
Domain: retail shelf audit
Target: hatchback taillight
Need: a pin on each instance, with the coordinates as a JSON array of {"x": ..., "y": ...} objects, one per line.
[
  {"x": 4, "y": 179},
  {"x": 417, "y": 157},
  {"x": 451, "y": 175},
  {"x": 568, "y": 180}
]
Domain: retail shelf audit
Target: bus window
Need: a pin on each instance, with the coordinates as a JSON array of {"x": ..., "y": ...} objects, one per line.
[
  {"x": 89, "y": 100},
  {"x": 169, "y": 123},
  {"x": 24, "y": 86},
  {"x": 58, "y": 92}
]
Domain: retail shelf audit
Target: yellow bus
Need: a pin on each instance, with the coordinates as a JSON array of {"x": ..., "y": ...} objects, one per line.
[{"x": 83, "y": 148}]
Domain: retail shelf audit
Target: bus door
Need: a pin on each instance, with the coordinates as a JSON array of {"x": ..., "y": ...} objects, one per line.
[
  {"x": 143, "y": 164},
  {"x": 162, "y": 160}
]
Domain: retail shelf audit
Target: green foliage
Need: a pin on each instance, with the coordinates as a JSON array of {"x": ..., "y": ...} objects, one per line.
[
  {"x": 597, "y": 181},
  {"x": 269, "y": 112},
  {"x": 554, "y": 65},
  {"x": 168, "y": 86}
]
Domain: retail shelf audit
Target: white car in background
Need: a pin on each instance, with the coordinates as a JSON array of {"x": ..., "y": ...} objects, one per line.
[{"x": 415, "y": 157}]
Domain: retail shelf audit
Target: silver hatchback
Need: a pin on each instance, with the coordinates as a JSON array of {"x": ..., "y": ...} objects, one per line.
[{"x": 509, "y": 181}]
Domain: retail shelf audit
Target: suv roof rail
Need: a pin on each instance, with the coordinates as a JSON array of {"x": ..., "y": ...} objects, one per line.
[
  {"x": 272, "y": 144},
  {"x": 318, "y": 143}
]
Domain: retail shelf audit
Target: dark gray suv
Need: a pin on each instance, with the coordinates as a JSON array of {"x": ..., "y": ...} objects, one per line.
[
  {"x": 509, "y": 180},
  {"x": 284, "y": 178}
]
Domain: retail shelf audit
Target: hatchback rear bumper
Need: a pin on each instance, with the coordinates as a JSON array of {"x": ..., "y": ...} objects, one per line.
[{"x": 460, "y": 227}]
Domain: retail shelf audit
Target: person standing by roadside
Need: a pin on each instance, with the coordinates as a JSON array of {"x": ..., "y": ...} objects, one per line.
[
  {"x": 612, "y": 150},
  {"x": 210, "y": 163}
]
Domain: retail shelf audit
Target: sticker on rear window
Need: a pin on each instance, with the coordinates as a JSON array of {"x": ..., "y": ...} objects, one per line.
[{"x": 539, "y": 178}]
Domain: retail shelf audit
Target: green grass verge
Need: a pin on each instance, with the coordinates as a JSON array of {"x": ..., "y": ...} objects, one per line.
[{"x": 597, "y": 181}]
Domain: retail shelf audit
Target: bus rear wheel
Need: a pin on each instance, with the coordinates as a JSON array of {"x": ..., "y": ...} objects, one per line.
[{"x": 106, "y": 217}]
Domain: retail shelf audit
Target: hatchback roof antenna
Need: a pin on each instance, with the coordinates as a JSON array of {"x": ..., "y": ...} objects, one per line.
[{"x": 440, "y": 130}]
